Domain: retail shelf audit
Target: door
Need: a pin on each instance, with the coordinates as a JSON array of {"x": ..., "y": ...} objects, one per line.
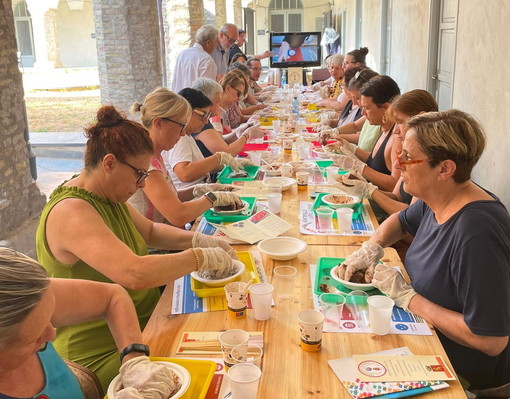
[
  {"x": 249, "y": 27},
  {"x": 442, "y": 57}
]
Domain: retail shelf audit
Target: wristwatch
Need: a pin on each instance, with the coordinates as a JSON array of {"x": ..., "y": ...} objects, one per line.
[
  {"x": 210, "y": 195},
  {"x": 134, "y": 348}
]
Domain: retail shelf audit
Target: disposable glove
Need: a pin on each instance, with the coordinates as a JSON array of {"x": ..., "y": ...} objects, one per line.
[
  {"x": 254, "y": 118},
  {"x": 241, "y": 129},
  {"x": 227, "y": 159},
  {"x": 350, "y": 163},
  {"x": 216, "y": 264},
  {"x": 225, "y": 199},
  {"x": 364, "y": 258},
  {"x": 327, "y": 133},
  {"x": 346, "y": 146},
  {"x": 151, "y": 380},
  {"x": 200, "y": 240},
  {"x": 390, "y": 282},
  {"x": 128, "y": 393},
  {"x": 254, "y": 132},
  {"x": 201, "y": 189},
  {"x": 356, "y": 187},
  {"x": 335, "y": 147},
  {"x": 324, "y": 92},
  {"x": 244, "y": 162}
]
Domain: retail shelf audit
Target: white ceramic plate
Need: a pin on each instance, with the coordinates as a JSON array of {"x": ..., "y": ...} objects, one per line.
[
  {"x": 223, "y": 281},
  {"x": 235, "y": 211},
  {"x": 182, "y": 373},
  {"x": 282, "y": 248},
  {"x": 286, "y": 182},
  {"x": 328, "y": 199},
  {"x": 348, "y": 284}
]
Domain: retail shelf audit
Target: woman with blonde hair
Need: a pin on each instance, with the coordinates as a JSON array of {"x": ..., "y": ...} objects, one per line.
[
  {"x": 158, "y": 200},
  {"x": 88, "y": 231}
]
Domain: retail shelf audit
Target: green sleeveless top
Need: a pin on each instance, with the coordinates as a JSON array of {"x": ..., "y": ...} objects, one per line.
[
  {"x": 369, "y": 136},
  {"x": 91, "y": 344}
]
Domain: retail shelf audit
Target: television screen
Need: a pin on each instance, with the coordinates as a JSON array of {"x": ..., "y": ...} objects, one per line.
[{"x": 298, "y": 49}]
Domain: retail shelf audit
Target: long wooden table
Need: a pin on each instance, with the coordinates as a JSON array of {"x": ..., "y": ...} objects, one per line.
[{"x": 288, "y": 371}]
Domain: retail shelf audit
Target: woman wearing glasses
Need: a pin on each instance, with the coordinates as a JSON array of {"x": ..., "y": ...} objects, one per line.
[
  {"x": 88, "y": 231},
  {"x": 459, "y": 261},
  {"x": 185, "y": 162},
  {"x": 158, "y": 200},
  {"x": 209, "y": 139},
  {"x": 235, "y": 88}
]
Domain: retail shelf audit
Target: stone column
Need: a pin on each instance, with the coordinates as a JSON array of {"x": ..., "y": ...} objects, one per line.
[
  {"x": 220, "y": 7},
  {"x": 38, "y": 9},
  {"x": 238, "y": 14},
  {"x": 50, "y": 24},
  {"x": 20, "y": 199},
  {"x": 182, "y": 19},
  {"x": 128, "y": 50}
]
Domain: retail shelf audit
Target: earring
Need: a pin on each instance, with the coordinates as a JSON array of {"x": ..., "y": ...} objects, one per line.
[{"x": 385, "y": 119}]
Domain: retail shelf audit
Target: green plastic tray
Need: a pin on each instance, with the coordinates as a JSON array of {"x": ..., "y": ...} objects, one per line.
[
  {"x": 224, "y": 178},
  {"x": 325, "y": 164},
  {"x": 214, "y": 217},
  {"x": 323, "y": 276},
  {"x": 318, "y": 202}
]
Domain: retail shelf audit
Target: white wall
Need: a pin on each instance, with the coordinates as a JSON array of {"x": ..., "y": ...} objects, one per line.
[
  {"x": 77, "y": 47},
  {"x": 482, "y": 85},
  {"x": 371, "y": 32},
  {"x": 409, "y": 43}
]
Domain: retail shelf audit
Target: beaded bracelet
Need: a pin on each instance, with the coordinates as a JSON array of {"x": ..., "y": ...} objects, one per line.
[{"x": 196, "y": 257}]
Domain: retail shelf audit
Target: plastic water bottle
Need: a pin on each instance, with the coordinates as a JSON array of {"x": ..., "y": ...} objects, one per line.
[
  {"x": 295, "y": 106},
  {"x": 283, "y": 81}
]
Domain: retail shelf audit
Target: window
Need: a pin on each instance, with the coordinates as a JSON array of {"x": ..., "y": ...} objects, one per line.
[{"x": 286, "y": 15}]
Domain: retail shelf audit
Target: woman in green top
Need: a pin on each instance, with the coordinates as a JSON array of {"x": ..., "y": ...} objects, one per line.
[{"x": 87, "y": 231}]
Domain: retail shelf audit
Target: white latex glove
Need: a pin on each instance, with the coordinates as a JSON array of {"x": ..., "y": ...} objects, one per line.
[
  {"x": 347, "y": 146},
  {"x": 201, "y": 189},
  {"x": 390, "y": 282},
  {"x": 254, "y": 132},
  {"x": 150, "y": 379},
  {"x": 254, "y": 118},
  {"x": 349, "y": 163},
  {"x": 227, "y": 159},
  {"x": 224, "y": 199},
  {"x": 200, "y": 240},
  {"x": 241, "y": 129},
  {"x": 335, "y": 147},
  {"x": 364, "y": 258},
  {"x": 244, "y": 162},
  {"x": 128, "y": 393},
  {"x": 324, "y": 92},
  {"x": 216, "y": 264},
  {"x": 327, "y": 133},
  {"x": 356, "y": 187}
]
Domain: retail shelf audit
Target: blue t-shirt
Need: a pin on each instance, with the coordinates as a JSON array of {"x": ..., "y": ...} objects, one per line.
[
  {"x": 464, "y": 265},
  {"x": 61, "y": 383}
]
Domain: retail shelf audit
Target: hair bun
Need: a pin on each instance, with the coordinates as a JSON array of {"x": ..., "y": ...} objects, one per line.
[
  {"x": 107, "y": 116},
  {"x": 363, "y": 50}
]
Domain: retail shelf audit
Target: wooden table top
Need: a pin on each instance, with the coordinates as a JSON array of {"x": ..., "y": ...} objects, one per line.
[{"x": 288, "y": 371}]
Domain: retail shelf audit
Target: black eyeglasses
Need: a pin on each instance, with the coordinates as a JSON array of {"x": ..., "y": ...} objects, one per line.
[
  {"x": 231, "y": 41},
  {"x": 141, "y": 173},
  {"x": 239, "y": 93},
  {"x": 204, "y": 115},
  {"x": 182, "y": 125}
]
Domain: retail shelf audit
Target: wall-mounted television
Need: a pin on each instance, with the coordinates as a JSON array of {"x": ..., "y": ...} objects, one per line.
[{"x": 295, "y": 49}]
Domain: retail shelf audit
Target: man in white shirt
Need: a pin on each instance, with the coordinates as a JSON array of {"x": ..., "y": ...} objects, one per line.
[
  {"x": 196, "y": 61},
  {"x": 226, "y": 39}
]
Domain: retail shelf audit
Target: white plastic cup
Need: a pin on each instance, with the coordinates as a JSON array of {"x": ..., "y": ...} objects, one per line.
[
  {"x": 310, "y": 329},
  {"x": 244, "y": 380},
  {"x": 332, "y": 173},
  {"x": 256, "y": 157},
  {"x": 332, "y": 306},
  {"x": 356, "y": 302},
  {"x": 344, "y": 219},
  {"x": 261, "y": 296},
  {"x": 380, "y": 309},
  {"x": 325, "y": 218},
  {"x": 303, "y": 151},
  {"x": 274, "y": 201},
  {"x": 275, "y": 187},
  {"x": 229, "y": 340},
  {"x": 276, "y": 126},
  {"x": 302, "y": 179},
  {"x": 286, "y": 169},
  {"x": 284, "y": 278},
  {"x": 324, "y": 119},
  {"x": 245, "y": 353},
  {"x": 287, "y": 145}
]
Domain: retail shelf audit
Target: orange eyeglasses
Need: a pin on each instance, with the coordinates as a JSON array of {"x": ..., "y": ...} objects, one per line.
[{"x": 407, "y": 161}]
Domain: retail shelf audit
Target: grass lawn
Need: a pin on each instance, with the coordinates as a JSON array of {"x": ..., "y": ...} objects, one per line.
[{"x": 61, "y": 114}]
